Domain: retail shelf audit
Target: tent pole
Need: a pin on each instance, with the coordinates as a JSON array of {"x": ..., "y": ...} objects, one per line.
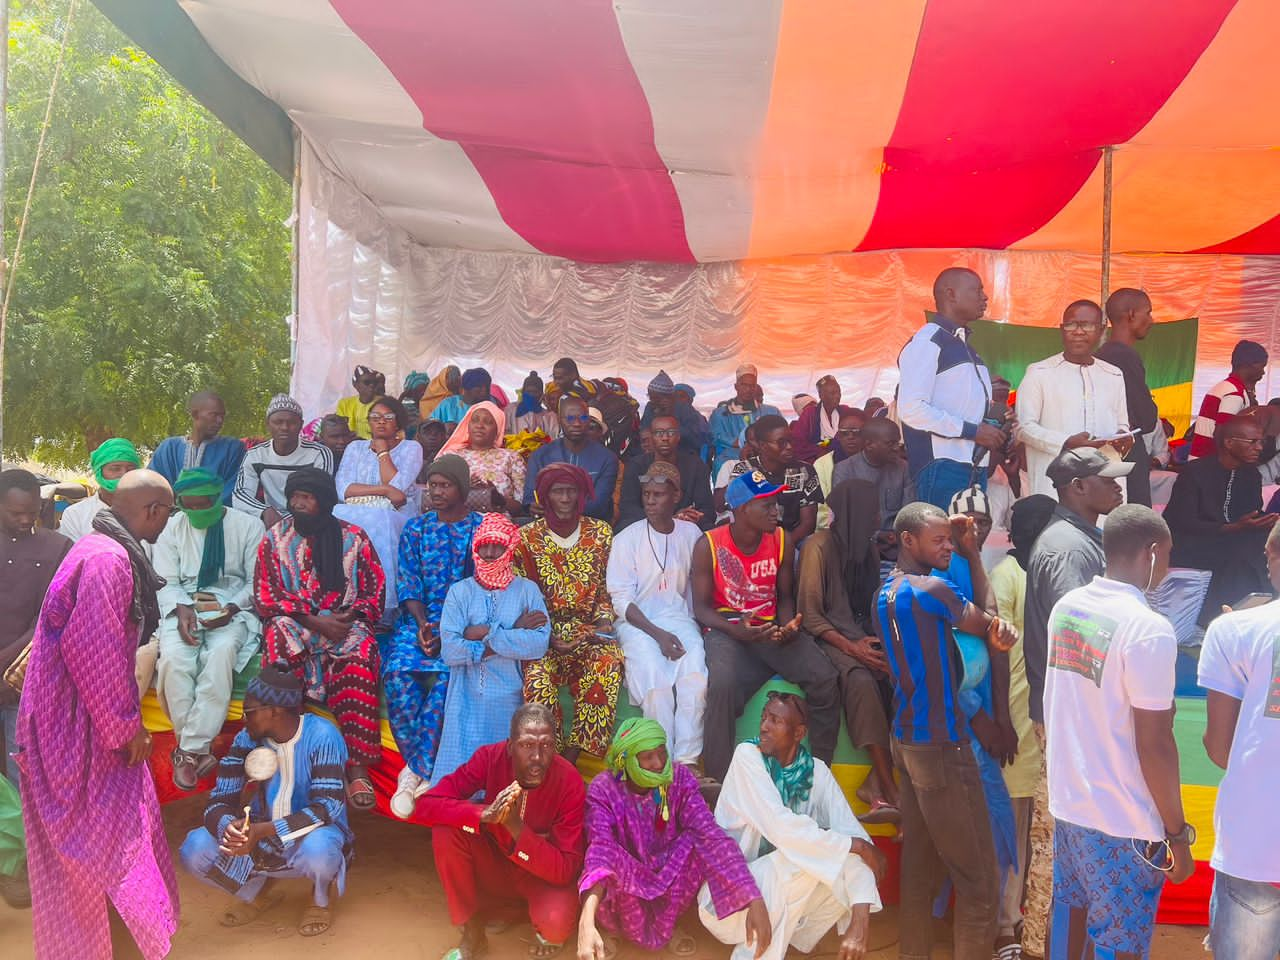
[
  {"x": 4, "y": 110},
  {"x": 1106, "y": 223}
]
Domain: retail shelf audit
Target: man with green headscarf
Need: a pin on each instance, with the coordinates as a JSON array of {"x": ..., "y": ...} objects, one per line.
[
  {"x": 651, "y": 844},
  {"x": 208, "y": 629},
  {"x": 110, "y": 461}
]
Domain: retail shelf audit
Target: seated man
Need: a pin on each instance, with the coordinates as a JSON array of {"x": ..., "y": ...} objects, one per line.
[
  {"x": 648, "y": 579},
  {"x": 693, "y": 499},
  {"x": 744, "y": 599},
  {"x": 1215, "y": 513},
  {"x": 575, "y": 446},
  {"x": 800, "y": 493},
  {"x": 335, "y": 434},
  {"x": 811, "y": 859},
  {"x": 839, "y": 576},
  {"x": 731, "y": 417},
  {"x": 319, "y": 621},
  {"x": 814, "y": 432},
  {"x": 435, "y": 553},
  {"x": 110, "y": 461},
  {"x": 566, "y": 555},
  {"x": 521, "y": 844},
  {"x": 203, "y": 447},
  {"x": 651, "y": 843},
  {"x": 662, "y": 403},
  {"x": 297, "y": 822},
  {"x": 848, "y": 443},
  {"x": 492, "y": 624},
  {"x": 267, "y": 466},
  {"x": 208, "y": 629},
  {"x": 879, "y": 463}
]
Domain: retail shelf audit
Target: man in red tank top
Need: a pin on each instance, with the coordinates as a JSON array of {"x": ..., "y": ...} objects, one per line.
[{"x": 743, "y": 581}]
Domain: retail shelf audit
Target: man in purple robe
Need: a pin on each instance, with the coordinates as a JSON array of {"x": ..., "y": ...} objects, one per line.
[
  {"x": 96, "y": 847},
  {"x": 652, "y": 843}
]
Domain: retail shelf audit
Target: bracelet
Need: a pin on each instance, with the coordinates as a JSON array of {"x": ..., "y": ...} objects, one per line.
[{"x": 383, "y": 453}]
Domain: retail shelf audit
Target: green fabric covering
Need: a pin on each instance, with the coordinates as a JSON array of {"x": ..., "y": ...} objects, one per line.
[
  {"x": 13, "y": 845},
  {"x": 1195, "y": 767}
]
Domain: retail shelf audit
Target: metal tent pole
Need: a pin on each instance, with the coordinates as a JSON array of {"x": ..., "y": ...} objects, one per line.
[{"x": 1106, "y": 223}]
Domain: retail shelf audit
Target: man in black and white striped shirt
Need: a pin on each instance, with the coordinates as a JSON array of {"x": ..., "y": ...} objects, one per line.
[{"x": 267, "y": 467}]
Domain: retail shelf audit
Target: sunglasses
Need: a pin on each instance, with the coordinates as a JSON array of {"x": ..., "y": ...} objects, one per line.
[
  {"x": 665, "y": 433},
  {"x": 576, "y": 417},
  {"x": 792, "y": 699}
]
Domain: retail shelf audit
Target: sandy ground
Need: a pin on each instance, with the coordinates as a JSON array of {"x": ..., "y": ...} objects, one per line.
[{"x": 394, "y": 908}]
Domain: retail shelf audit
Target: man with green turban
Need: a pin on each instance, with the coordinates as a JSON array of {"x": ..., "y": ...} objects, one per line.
[
  {"x": 651, "y": 844},
  {"x": 110, "y": 461},
  {"x": 208, "y": 628}
]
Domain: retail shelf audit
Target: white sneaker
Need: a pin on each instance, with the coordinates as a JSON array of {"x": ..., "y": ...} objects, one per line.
[{"x": 404, "y": 799}]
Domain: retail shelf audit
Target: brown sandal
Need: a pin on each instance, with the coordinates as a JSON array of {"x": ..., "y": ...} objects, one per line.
[{"x": 315, "y": 921}]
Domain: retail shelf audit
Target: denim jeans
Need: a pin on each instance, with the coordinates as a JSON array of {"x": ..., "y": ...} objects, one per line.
[
  {"x": 940, "y": 480},
  {"x": 1244, "y": 919}
]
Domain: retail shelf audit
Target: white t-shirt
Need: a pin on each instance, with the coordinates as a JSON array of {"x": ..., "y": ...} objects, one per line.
[
  {"x": 1109, "y": 653},
  {"x": 1241, "y": 658}
]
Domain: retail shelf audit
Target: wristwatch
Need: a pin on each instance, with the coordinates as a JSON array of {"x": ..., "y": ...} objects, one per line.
[{"x": 1186, "y": 835}]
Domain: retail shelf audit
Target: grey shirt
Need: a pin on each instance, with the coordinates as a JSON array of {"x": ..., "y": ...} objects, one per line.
[
  {"x": 893, "y": 485},
  {"x": 1068, "y": 554}
]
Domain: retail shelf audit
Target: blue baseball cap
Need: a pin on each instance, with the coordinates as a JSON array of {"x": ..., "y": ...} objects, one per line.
[{"x": 750, "y": 486}]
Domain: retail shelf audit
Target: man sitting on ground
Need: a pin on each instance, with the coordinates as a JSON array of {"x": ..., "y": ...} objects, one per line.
[
  {"x": 297, "y": 821},
  {"x": 575, "y": 447},
  {"x": 110, "y": 461},
  {"x": 744, "y": 598},
  {"x": 693, "y": 500},
  {"x": 878, "y": 462},
  {"x": 648, "y": 580},
  {"x": 813, "y": 862},
  {"x": 1215, "y": 513},
  {"x": 318, "y": 619},
  {"x": 1229, "y": 397},
  {"x": 522, "y": 844},
  {"x": 651, "y": 843},
  {"x": 208, "y": 628},
  {"x": 268, "y": 465},
  {"x": 202, "y": 447},
  {"x": 800, "y": 492}
]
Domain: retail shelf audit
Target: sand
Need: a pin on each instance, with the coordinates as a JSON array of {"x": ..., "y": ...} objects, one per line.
[{"x": 394, "y": 910}]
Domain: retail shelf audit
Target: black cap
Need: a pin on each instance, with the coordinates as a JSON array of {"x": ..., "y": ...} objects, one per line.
[{"x": 1085, "y": 462}]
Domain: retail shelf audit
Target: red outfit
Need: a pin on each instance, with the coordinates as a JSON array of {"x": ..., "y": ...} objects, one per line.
[
  {"x": 482, "y": 867},
  {"x": 746, "y": 585}
]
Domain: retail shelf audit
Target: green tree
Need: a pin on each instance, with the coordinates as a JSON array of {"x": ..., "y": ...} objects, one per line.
[{"x": 156, "y": 256}]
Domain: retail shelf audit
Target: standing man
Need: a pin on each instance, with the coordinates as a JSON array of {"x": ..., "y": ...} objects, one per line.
[
  {"x": 1066, "y": 555},
  {"x": 878, "y": 463},
  {"x": 1238, "y": 668},
  {"x": 743, "y": 583},
  {"x": 575, "y": 447},
  {"x": 814, "y": 433},
  {"x": 1129, "y": 312},
  {"x": 662, "y": 403},
  {"x": 110, "y": 461},
  {"x": 1071, "y": 399},
  {"x": 267, "y": 466},
  {"x": 96, "y": 846},
  {"x": 731, "y": 417},
  {"x": 799, "y": 491},
  {"x": 1113, "y": 761},
  {"x": 202, "y": 447},
  {"x": 944, "y": 394},
  {"x": 693, "y": 500},
  {"x": 648, "y": 580},
  {"x": 1230, "y": 396},
  {"x": 944, "y": 808},
  {"x": 208, "y": 628}
]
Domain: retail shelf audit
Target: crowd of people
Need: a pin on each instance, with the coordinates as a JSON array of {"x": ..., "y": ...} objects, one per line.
[{"x": 494, "y": 572}]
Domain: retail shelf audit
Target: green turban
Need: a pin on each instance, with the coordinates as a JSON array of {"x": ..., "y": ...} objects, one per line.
[
  {"x": 634, "y": 737},
  {"x": 199, "y": 482},
  {"x": 115, "y": 450}
]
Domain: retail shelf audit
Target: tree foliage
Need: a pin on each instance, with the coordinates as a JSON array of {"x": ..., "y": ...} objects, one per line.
[{"x": 156, "y": 256}]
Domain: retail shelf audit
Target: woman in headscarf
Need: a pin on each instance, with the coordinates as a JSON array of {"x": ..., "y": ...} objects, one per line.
[
  {"x": 529, "y": 414},
  {"x": 377, "y": 482},
  {"x": 444, "y": 384},
  {"x": 497, "y": 474},
  {"x": 835, "y": 594},
  {"x": 1008, "y": 579},
  {"x": 492, "y": 623},
  {"x": 567, "y": 556},
  {"x": 319, "y": 592},
  {"x": 652, "y": 843}
]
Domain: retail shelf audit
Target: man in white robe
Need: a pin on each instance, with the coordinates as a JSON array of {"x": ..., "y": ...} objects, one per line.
[
  {"x": 814, "y": 863},
  {"x": 648, "y": 580},
  {"x": 208, "y": 629}
]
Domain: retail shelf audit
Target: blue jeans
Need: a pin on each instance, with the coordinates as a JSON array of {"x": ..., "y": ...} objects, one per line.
[
  {"x": 316, "y": 857},
  {"x": 1244, "y": 919},
  {"x": 940, "y": 480}
]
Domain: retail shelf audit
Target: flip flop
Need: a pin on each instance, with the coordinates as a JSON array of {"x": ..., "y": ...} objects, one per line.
[
  {"x": 315, "y": 921},
  {"x": 682, "y": 944},
  {"x": 360, "y": 793},
  {"x": 881, "y": 812},
  {"x": 238, "y": 913},
  {"x": 540, "y": 949}
]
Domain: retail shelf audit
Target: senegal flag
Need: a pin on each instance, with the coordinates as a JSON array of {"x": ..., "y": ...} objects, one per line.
[{"x": 1169, "y": 353}]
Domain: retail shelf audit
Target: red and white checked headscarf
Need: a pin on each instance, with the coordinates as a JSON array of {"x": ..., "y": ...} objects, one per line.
[{"x": 495, "y": 528}]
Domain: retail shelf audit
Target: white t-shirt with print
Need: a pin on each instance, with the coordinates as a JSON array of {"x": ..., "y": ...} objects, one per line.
[
  {"x": 1241, "y": 658},
  {"x": 1109, "y": 653}
]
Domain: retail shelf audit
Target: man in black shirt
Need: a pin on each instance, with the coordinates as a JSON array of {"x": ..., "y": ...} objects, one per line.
[
  {"x": 694, "y": 502},
  {"x": 1129, "y": 312},
  {"x": 776, "y": 459}
]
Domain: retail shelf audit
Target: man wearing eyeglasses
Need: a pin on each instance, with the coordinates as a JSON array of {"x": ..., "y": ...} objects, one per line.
[
  {"x": 576, "y": 447},
  {"x": 878, "y": 463},
  {"x": 1215, "y": 513},
  {"x": 1071, "y": 399},
  {"x": 693, "y": 503}
]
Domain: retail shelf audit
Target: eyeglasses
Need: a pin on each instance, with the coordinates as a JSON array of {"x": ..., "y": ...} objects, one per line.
[
  {"x": 665, "y": 433},
  {"x": 576, "y": 417},
  {"x": 849, "y": 432},
  {"x": 1251, "y": 441},
  {"x": 1077, "y": 327},
  {"x": 382, "y": 417}
]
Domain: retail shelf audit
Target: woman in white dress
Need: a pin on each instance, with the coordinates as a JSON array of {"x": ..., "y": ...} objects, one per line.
[{"x": 378, "y": 483}]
